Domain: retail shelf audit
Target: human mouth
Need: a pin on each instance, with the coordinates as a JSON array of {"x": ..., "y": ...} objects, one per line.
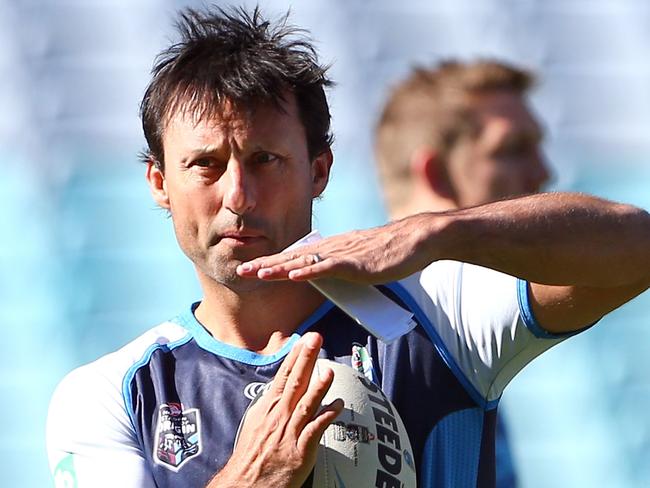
[{"x": 241, "y": 238}]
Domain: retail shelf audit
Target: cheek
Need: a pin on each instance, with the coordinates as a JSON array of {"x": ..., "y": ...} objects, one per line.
[
  {"x": 509, "y": 177},
  {"x": 481, "y": 182},
  {"x": 289, "y": 205},
  {"x": 294, "y": 203},
  {"x": 191, "y": 213},
  {"x": 288, "y": 189},
  {"x": 479, "y": 177}
]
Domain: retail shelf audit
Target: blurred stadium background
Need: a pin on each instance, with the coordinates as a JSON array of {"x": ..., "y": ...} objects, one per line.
[{"x": 87, "y": 262}]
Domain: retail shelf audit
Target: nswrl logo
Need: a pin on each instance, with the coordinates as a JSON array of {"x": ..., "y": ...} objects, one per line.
[{"x": 178, "y": 435}]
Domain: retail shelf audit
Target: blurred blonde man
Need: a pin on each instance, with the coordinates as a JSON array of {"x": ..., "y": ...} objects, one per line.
[{"x": 460, "y": 135}]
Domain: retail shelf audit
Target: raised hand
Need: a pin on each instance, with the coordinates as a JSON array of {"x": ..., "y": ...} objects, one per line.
[
  {"x": 372, "y": 256},
  {"x": 279, "y": 438}
]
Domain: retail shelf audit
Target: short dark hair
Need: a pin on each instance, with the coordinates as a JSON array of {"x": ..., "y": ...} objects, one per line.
[{"x": 238, "y": 57}]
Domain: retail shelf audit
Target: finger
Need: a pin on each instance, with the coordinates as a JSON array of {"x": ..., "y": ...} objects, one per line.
[
  {"x": 306, "y": 409},
  {"x": 251, "y": 268},
  {"x": 282, "y": 376},
  {"x": 314, "y": 430},
  {"x": 301, "y": 372},
  {"x": 324, "y": 269},
  {"x": 283, "y": 270}
]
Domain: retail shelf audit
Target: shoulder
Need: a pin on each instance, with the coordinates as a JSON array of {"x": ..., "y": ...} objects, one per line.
[
  {"x": 446, "y": 277},
  {"x": 107, "y": 373},
  {"x": 450, "y": 285},
  {"x": 439, "y": 279},
  {"x": 104, "y": 377},
  {"x": 432, "y": 292},
  {"x": 88, "y": 409},
  {"x": 480, "y": 320}
]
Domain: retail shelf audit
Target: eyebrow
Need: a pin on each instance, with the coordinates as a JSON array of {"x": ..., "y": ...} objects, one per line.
[
  {"x": 214, "y": 149},
  {"x": 207, "y": 149}
]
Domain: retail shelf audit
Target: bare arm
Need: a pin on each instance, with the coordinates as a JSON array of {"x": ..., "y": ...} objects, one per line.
[
  {"x": 553, "y": 239},
  {"x": 584, "y": 256}
]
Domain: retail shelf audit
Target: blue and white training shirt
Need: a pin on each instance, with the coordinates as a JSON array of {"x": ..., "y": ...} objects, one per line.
[{"x": 163, "y": 411}]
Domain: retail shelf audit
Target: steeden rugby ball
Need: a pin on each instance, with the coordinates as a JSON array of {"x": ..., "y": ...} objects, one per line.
[{"x": 367, "y": 445}]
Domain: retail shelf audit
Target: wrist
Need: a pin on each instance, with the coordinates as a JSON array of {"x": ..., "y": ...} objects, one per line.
[
  {"x": 229, "y": 477},
  {"x": 434, "y": 233}
]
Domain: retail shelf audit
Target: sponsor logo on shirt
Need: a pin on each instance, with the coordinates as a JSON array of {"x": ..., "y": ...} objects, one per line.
[
  {"x": 253, "y": 389},
  {"x": 362, "y": 361},
  {"x": 178, "y": 435}
]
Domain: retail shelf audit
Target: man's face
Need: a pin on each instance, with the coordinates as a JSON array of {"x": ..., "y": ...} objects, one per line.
[
  {"x": 504, "y": 159},
  {"x": 238, "y": 186}
]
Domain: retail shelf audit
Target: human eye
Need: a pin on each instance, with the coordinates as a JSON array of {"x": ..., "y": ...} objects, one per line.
[
  {"x": 206, "y": 167},
  {"x": 203, "y": 162},
  {"x": 513, "y": 150},
  {"x": 264, "y": 157}
]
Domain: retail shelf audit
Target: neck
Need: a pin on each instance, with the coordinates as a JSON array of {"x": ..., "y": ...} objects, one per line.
[{"x": 260, "y": 319}]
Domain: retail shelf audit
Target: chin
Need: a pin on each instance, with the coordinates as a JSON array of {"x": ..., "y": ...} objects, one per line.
[
  {"x": 237, "y": 284},
  {"x": 224, "y": 273}
]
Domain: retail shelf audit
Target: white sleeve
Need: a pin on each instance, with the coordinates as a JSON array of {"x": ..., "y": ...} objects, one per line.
[
  {"x": 482, "y": 321},
  {"x": 91, "y": 441}
]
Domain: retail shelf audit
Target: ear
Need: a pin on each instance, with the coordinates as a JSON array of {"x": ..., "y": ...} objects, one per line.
[
  {"x": 429, "y": 170},
  {"x": 157, "y": 184},
  {"x": 320, "y": 171}
]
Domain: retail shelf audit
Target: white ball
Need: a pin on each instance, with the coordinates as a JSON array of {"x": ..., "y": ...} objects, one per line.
[{"x": 367, "y": 445}]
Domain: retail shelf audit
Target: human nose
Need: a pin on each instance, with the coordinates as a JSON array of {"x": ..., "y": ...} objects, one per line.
[{"x": 239, "y": 194}]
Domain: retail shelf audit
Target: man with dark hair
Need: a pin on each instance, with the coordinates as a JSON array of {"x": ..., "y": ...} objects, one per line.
[
  {"x": 256, "y": 64},
  {"x": 238, "y": 164},
  {"x": 457, "y": 135}
]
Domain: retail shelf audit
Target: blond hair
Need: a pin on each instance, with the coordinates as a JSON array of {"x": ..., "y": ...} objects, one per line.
[{"x": 432, "y": 107}]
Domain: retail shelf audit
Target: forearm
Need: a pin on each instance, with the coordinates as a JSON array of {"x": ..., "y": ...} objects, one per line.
[
  {"x": 222, "y": 480},
  {"x": 583, "y": 256},
  {"x": 560, "y": 238}
]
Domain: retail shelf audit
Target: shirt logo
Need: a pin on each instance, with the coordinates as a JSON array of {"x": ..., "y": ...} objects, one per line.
[
  {"x": 362, "y": 361},
  {"x": 178, "y": 435},
  {"x": 253, "y": 389}
]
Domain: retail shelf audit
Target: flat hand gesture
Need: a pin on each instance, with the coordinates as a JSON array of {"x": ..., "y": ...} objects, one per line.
[{"x": 372, "y": 256}]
